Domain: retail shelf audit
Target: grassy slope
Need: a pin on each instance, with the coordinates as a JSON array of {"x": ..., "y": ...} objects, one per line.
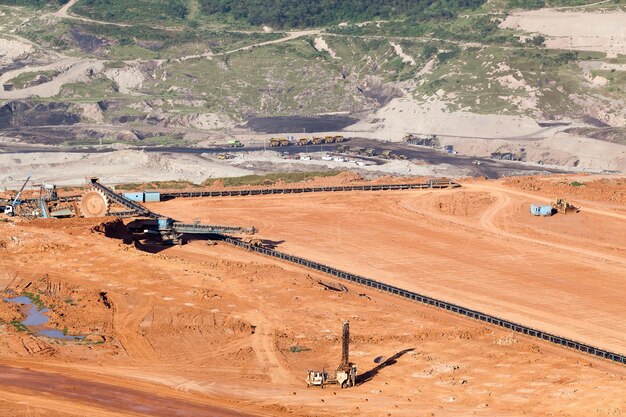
[{"x": 294, "y": 78}]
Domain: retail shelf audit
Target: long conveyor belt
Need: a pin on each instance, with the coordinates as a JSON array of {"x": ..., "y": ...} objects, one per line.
[
  {"x": 305, "y": 190},
  {"x": 487, "y": 318}
]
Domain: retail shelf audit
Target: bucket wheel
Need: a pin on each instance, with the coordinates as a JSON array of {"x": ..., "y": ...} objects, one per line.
[{"x": 94, "y": 204}]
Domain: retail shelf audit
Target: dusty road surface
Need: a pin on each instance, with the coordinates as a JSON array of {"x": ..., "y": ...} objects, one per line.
[
  {"x": 478, "y": 247},
  {"x": 215, "y": 330}
]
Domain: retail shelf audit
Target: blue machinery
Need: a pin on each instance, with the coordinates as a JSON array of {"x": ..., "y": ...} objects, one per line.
[
  {"x": 519, "y": 328},
  {"x": 169, "y": 230}
]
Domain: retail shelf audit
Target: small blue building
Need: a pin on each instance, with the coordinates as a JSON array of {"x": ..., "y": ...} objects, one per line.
[
  {"x": 151, "y": 196},
  {"x": 137, "y": 197},
  {"x": 537, "y": 210}
]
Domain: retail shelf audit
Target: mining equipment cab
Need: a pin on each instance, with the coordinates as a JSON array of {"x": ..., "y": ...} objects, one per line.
[{"x": 345, "y": 374}]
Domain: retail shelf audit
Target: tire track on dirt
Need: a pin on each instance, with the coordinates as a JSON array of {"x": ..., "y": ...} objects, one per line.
[
  {"x": 503, "y": 200},
  {"x": 126, "y": 326}
]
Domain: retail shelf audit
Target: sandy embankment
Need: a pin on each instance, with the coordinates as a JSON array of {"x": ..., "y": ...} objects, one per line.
[
  {"x": 604, "y": 32},
  {"x": 139, "y": 166},
  {"x": 72, "y": 70},
  {"x": 112, "y": 167},
  {"x": 405, "y": 115},
  {"x": 11, "y": 49}
]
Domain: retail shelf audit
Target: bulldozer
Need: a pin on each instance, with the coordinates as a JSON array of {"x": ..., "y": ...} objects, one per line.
[
  {"x": 563, "y": 206},
  {"x": 346, "y": 372}
]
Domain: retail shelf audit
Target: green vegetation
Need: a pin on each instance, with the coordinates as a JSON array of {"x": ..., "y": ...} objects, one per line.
[
  {"x": 19, "y": 326},
  {"x": 526, "y": 4},
  {"x": 277, "y": 13},
  {"x": 34, "y": 298},
  {"x": 26, "y": 77},
  {"x": 483, "y": 29},
  {"x": 157, "y": 185},
  {"x": 138, "y": 41},
  {"x": 577, "y": 184},
  {"x": 503, "y": 81},
  {"x": 277, "y": 79},
  {"x": 163, "y": 140},
  {"x": 290, "y": 13},
  {"x": 93, "y": 91},
  {"x": 615, "y": 82},
  {"x": 271, "y": 179},
  {"x": 34, "y": 3},
  {"x": 136, "y": 10}
]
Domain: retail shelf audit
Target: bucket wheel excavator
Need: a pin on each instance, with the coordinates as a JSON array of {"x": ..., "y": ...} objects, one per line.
[{"x": 94, "y": 203}]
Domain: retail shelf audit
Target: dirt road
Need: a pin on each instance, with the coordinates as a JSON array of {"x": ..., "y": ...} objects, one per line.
[{"x": 102, "y": 399}]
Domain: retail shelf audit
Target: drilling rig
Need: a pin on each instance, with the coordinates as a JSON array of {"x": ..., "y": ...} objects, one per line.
[{"x": 345, "y": 375}]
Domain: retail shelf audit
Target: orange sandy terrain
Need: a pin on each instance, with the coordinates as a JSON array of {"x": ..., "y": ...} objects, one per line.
[
  {"x": 478, "y": 247},
  {"x": 214, "y": 330}
]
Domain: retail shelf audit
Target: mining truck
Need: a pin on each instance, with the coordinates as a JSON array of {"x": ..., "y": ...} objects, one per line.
[{"x": 279, "y": 142}]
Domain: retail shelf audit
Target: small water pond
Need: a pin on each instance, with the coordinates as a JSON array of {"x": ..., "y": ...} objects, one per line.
[{"x": 35, "y": 321}]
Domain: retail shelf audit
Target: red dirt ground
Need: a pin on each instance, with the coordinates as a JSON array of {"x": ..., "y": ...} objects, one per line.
[{"x": 209, "y": 330}]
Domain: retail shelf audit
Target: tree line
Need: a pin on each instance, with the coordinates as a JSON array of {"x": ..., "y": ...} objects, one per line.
[{"x": 298, "y": 13}]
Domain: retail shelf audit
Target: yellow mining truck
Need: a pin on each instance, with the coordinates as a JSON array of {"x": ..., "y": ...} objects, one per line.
[
  {"x": 329, "y": 139},
  {"x": 339, "y": 138},
  {"x": 303, "y": 141},
  {"x": 317, "y": 140},
  {"x": 279, "y": 142}
]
